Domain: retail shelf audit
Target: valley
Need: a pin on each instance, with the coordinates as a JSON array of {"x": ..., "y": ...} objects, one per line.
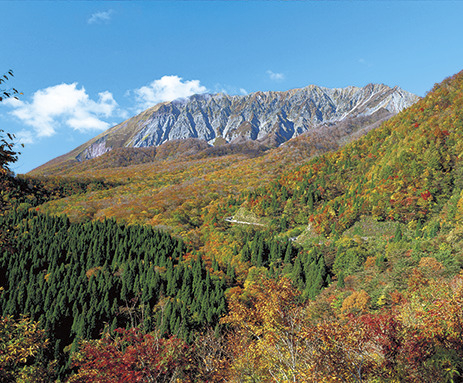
[{"x": 326, "y": 251}]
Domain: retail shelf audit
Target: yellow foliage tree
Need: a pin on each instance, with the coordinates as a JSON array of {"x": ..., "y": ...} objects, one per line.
[
  {"x": 20, "y": 341},
  {"x": 356, "y": 302},
  {"x": 269, "y": 339}
]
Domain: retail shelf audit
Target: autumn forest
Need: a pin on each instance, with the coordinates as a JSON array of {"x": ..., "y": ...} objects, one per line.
[{"x": 331, "y": 258}]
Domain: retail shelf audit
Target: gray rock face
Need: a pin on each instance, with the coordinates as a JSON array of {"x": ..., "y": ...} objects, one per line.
[
  {"x": 270, "y": 117},
  {"x": 97, "y": 149}
]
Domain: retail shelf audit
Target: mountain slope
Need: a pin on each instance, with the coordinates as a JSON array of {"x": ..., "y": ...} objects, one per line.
[
  {"x": 269, "y": 117},
  {"x": 407, "y": 170},
  {"x": 178, "y": 183},
  {"x": 380, "y": 299}
]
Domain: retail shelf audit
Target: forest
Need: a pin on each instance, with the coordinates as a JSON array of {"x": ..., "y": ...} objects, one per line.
[{"x": 342, "y": 263}]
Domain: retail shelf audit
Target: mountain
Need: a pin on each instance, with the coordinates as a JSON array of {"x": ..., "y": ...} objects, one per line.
[
  {"x": 408, "y": 170},
  {"x": 270, "y": 118},
  {"x": 357, "y": 242}
]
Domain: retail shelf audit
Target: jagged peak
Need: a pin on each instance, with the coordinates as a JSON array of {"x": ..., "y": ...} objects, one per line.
[
  {"x": 261, "y": 116},
  {"x": 370, "y": 87}
]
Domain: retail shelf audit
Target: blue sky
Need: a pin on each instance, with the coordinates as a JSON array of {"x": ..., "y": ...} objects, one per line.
[{"x": 84, "y": 66}]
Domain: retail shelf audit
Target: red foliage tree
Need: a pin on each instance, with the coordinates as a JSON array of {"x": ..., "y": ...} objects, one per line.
[{"x": 131, "y": 356}]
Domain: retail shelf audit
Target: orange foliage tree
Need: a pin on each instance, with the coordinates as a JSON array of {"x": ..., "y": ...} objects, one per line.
[{"x": 268, "y": 334}]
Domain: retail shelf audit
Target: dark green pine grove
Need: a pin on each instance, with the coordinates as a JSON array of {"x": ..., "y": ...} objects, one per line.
[
  {"x": 81, "y": 279},
  {"x": 306, "y": 268}
]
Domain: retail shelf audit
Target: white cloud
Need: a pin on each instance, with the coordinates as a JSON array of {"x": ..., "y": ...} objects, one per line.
[
  {"x": 275, "y": 76},
  {"x": 229, "y": 89},
  {"x": 167, "y": 88},
  {"x": 25, "y": 137},
  {"x": 100, "y": 17},
  {"x": 64, "y": 105}
]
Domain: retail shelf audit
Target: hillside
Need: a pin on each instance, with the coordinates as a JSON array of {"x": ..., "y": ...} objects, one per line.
[
  {"x": 173, "y": 185},
  {"x": 381, "y": 220},
  {"x": 270, "y": 118},
  {"x": 406, "y": 170},
  {"x": 336, "y": 256}
]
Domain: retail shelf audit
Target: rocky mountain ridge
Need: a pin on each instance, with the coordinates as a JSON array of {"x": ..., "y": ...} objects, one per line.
[{"x": 270, "y": 118}]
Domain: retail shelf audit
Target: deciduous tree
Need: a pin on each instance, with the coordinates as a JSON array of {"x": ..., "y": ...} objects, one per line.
[{"x": 131, "y": 356}]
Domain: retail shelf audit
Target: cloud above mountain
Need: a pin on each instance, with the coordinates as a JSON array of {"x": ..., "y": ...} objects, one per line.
[
  {"x": 102, "y": 17},
  {"x": 64, "y": 105},
  {"x": 69, "y": 106},
  {"x": 167, "y": 88},
  {"x": 275, "y": 76}
]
